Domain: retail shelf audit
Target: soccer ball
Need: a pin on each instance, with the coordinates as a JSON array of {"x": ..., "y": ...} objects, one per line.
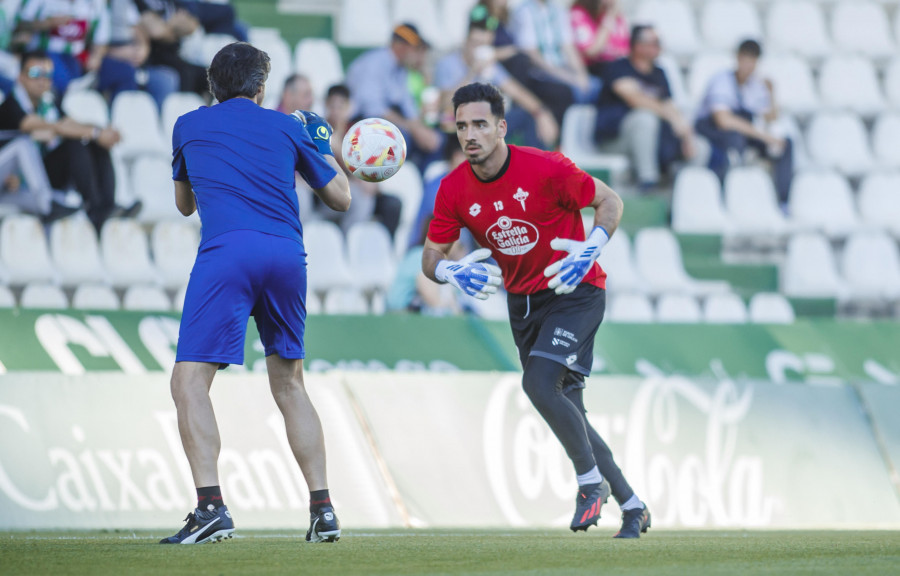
[{"x": 373, "y": 149}]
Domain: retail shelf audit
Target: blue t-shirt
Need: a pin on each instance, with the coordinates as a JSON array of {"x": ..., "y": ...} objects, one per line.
[{"x": 240, "y": 160}]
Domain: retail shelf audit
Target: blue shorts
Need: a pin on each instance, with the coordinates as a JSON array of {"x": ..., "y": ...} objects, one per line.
[{"x": 240, "y": 274}]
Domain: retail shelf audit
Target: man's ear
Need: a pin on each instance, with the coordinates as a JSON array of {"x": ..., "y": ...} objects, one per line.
[{"x": 502, "y": 127}]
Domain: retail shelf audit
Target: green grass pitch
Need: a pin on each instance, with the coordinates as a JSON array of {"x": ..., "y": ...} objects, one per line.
[{"x": 476, "y": 551}]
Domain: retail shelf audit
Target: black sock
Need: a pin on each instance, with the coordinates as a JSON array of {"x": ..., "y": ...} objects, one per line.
[
  {"x": 318, "y": 499},
  {"x": 209, "y": 495}
]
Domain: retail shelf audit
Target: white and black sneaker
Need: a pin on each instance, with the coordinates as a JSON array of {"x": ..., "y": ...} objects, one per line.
[
  {"x": 324, "y": 526},
  {"x": 211, "y": 525}
]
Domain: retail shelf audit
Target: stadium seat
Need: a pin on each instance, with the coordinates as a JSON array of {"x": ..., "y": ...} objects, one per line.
[
  {"x": 617, "y": 261},
  {"x": 126, "y": 254},
  {"x": 494, "y": 308},
  {"x": 178, "y": 300},
  {"x": 87, "y": 107},
  {"x": 861, "y": 27},
  {"x": 839, "y": 140},
  {"x": 151, "y": 180},
  {"x": 724, "y": 309},
  {"x": 426, "y": 16},
  {"x": 630, "y": 309},
  {"x": 175, "y": 105},
  {"x": 879, "y": 202},
  {"x": 364, "y": 23},
  {"x": 725, "y": 23},
  {"x": 677, "y": 85},
  {"x": 407, "y": 185},
  {"x": 677, "y": 309},
  {"x": 770, "y": 308},
  {"x": 313, "y": 304},
  {"x": 871, "y": 266},
  {"x": 210, "y": 44},
  {"x": 822, "y": 201},
  {"x": 675, "y": 22},
  {"x": 174, "y": 246},
  {"x": 135, "y": 115},
  {"x": 370, "y": 255},
  {"x": 701, "y": 71},
  {"x": 43, "y": 295},
  {"x": 326, "y": 261},
  {"x": 752, "y": 205},
  {"x": 75, "y": 251},
  {"x": 792, "y": 77},
  {"x": 799, "y": 28},
  {"x": 95, "y": 297},
  {"x": 892, "y": 83},
  {"x": 319, "y": 60},
  {"x": 281, "y": 66},
  {"x": 697, "y": 206},
  {"x": 146, "y": 298},
  {"x": 7, "y": 298},
  {"x": 659, "y": 262},
  {"x": 886, "y": 140},
  {"x": 23, "y": 250},
  {"x": 577, "y": 142},
  {"x": 850, "y": 83},
  {"x": 810, "y": 270},
  {"x": 345, "y": 301},
  {"x": 454, "y": 19}
]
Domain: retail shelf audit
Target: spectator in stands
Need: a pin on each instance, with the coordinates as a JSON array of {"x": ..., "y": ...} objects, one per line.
[
  {"x": 601, "y": 33},
  {"x": 542, "y": 30},
  {"x": 216, "y": 17},
  {"x": 74, "y": 33},
  {"x": 556, "y": 95},
  {"x": 733, "y": 114},
  {"x": 166, "y": 24},
  {"x": 529, "y": 121},
  {"x": 296, "y": 95},
  {"x": 75, "y": 155},
  {"x": 636, "y": 115},
  {"x": 379, "y": 84},
  {"x": 125, "y": 66}
]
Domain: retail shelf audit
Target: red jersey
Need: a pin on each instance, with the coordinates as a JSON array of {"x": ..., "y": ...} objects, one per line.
[{"x": 538, "y": 196}]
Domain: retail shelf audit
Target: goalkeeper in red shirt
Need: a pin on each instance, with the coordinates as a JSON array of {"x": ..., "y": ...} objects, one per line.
[{"x": 524, "y": 207}]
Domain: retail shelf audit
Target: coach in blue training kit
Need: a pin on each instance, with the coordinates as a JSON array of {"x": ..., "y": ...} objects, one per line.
[{"x": 235, "y": 163}]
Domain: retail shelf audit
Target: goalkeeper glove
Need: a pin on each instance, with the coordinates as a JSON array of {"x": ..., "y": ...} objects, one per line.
[
  {"x": 319, "y": 129},
  {"x": 475, "y": 278},
  {"x": 572, "y": 269}
]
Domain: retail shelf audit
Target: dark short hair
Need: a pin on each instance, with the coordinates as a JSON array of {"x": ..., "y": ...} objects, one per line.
[
  {"x": 750, "y": 48},
  {"x": 34, "y": 55},
  {"x": 478, "y": 92},
  {"x": 338, "y": 90},
  {"x": 636, "y": 32},
  {"x": 238, "y": 69}
]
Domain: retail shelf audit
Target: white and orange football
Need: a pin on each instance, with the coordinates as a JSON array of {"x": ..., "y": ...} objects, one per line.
[{"x": 373, "y": 149}]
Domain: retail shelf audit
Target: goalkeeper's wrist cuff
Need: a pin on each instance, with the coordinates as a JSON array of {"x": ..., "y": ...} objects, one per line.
[
  {"x": 323, "y": 146},
  {"x": 599, "y": 236},
  {"x": 441, "y": 273}
]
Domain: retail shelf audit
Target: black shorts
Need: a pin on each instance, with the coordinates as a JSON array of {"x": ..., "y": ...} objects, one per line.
[{"x": 559, "y": 328}]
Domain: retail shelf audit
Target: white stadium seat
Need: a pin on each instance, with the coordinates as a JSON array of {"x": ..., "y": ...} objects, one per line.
[
  {"x": 697, "y": 206},
  {"x": 823, "y": 201},
  {"x": 861, "y": 27},
  {"x": 871, "y": 266},
  {"x": 577, "y": 141},
  {"x": 178, "y": 304},
  {"x": 424, "y": 14},
  {"x": 135, "y": 115},
  {"x": 345, "y": 301},
  {"x": 879, "y": 202},
  {"x": 364, "y": 23},
  {"x": 23, "y": 250},
  {"x": 701, "y": 71},
  {"x": 630, "y": 309},
  {"x": 326, "y": 256},
  {"x": 174, "y": 245},
  {"x": 281, "y": 66},
  {"x": 658, "y": 258},
  {"x": 126, "y": 254},
  {"x": 95, "y": 297},
  {"x": 771, "y": 308},
  {"x": 797, "y": 27},
  {"x": 454, "y": 19},
  {"x": 724, "y": 309},
  {"x": 370, "y": 255},
  {"x": 892, "y": 82},
  {"x": 677, "y": 309},
  {"x": 407, "y": 185},
  {"x": 7, "y": 299},
  {"x": 886, "y": 140},
  {"x": 792, "y": 78},
  {"x": 617, "y": 261},
  {"x": 42, "y": 295},
  {"x": 146, "y": 298},
  {"x": 850, "y": 83},
  {"x": 677, "y": 85},
  {"x": 726, "y": 23},
  {"x": 674, "y": 21},
  {"x": 210, "y": 44},
  {"x": 494, "y": 308},
  {"x": 810, "y": 270},
  {"x": 87, "y": 107},
  {"x": 151, "y": 181},
  {"x": 839, "y": 140},
  {"x": 175, "y": 105},
  {"x": 751, "y": 203},
  {"x": 75, "y": 251},
  {"x": 319, "y": 60}
]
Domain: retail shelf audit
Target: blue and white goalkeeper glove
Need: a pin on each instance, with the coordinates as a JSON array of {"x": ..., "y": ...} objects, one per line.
[
  {"x": 471, "y": 275},
  {"x": 568, "y": 272},
  {"x": 319, "y": 129}
]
